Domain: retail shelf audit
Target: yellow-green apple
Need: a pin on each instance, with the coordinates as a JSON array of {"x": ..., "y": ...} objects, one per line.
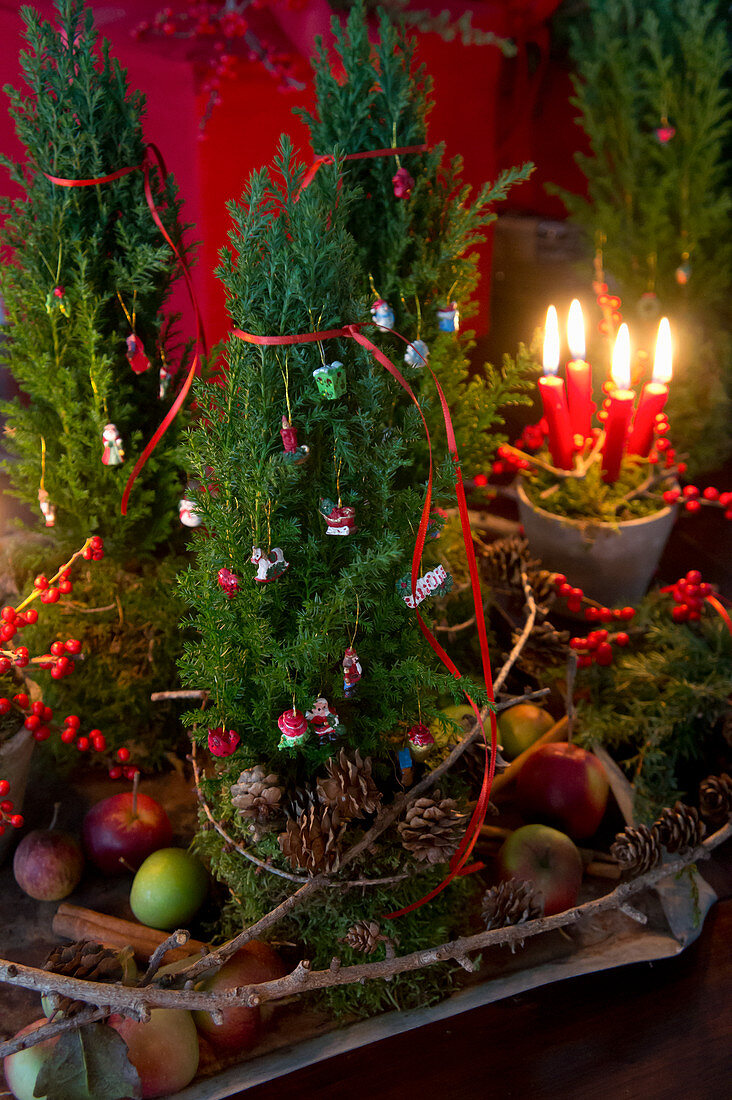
[
  {"x": 168, "y": 889},
  {"x": 565, "y": 785},
  {"x": 120, "y": 832},
  {"x": 48, "y": 864},
  {"x": 461, "y": 714},
  {"x": 240, "y": 1028},
  {"x": 548, "y": 860},
  {"x": 520, "y": 726},
  {"x": 164, "y": 1051},
  {"x": 22, "y": 1068}
]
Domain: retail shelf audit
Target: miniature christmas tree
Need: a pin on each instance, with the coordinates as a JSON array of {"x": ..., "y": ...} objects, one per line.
[
  {"x": 310, "y": 658},
  {"x": 414, "y": 222},
  {"x": 652, "y": 98},
  {"x": 88, "y": 278}
]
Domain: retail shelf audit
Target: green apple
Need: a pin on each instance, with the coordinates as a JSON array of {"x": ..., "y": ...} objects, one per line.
[
  {"x": 520, "y": 726},
  {"x": 22, "y": 1068},
  {"x": 168, "y": 889},
  {"x": 461, "y": 714}
]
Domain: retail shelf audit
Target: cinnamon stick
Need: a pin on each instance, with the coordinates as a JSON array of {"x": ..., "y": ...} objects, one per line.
[
  {"x": 76, "y": 923},
  {"x": 558, "y": 732}
]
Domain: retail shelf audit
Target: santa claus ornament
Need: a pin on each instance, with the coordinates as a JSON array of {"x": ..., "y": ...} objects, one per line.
[
  {"x": 113, "y": 452},
  {"x": 351, "y": 672},
  {"x": 48, "y": 510},
  {"x": 136, "y": 354},
  {"x": 383, "y": 315},
  {"x": 323, "y": 720}
]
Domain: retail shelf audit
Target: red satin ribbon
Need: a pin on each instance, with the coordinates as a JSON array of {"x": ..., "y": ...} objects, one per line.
[
  {"x": 459, "y": 860},
  {"x": 328, "y": 158},
  {"x": 152, "y": 156}
]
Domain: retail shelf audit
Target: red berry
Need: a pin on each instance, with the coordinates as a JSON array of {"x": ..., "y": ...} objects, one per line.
[
  {"x": 5, "y": 708},
  {"x": 37, "y": 708},
  {"x": 68, "y": 735},
  {"x": 728, "y": 514},
  {"x": 479, "y": 480},
  {"x": 565, "y": 589},
  {"x": 123, "y": 755},
  {"x": 4, "y": 787},
  {"x": 592, "y": 640},
  {"x": 606, "y": 615},
  {"x": 41, "y": 582},
  {"x": 32, "y": 722},
  {"x": 131, "y": 772},
  {"x": 671, "y": 496},
  {"x": 662, "y": 444},
  {"x": 51, "y": 595},
  {"x": 680, "y": 614},
  {"x": 693, "y": 577},
  {"x": 592, "y": 614},
  {"x": 63, "y": 663},
  {"x": 96, "y": 543},
  {"x": 31, "y": 616},
  {"x": 99, "y": 743},
  {"x": 691, "y": 506},
  {"x": 2, "y": 830},
  {"x": 42, "y": 733},
  {"x": 601, "y": 635},
  {"x": 22, "y": 657},
  {"x": 584, "y": 661},
  {"x": 21, "y": 700},
  {"x": 7, "y": 631},
  {"x": 6, "y": 806},
  {"x": 72, "y": 720},
  {"x": 681, "y": 467},
  {"x": 87, "y": 553},
  {"x": 8, "y": 614},
  {"x": 97, "y": 555},
  {"x": 725, "y": 499},
  {"x": 17, "y": 821},
  {"x": 82, "y": 744},
  {"x": 691, "y": 491},
  {"x": 73, "y": 646},
  {"x": 577, "y": 643},
  {"x": 65, "y": 587},
  {"x": 559, "y": 579},
  {"x": 577, "y": 593},
  {"x": 115, "y": 773},
  {"x": 622, "y": 638},
  {"x": 694, "y": 615},
  {"x": 710, "y": 493},
  {"x": 58, "y": 649},
  {"x": 56, "y": 672},
  {"x": 574, "y": 604},
  {"x": 627, "y": 613},
  {"x": 4, "y": 664},
  {"x": 705, "y": 590},
  {"x": 604, "y": 654},
  {"x": 47, "y": 714}
]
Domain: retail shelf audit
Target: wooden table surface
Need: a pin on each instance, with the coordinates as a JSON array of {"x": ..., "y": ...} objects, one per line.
[{"x": 657, "y": 1031}]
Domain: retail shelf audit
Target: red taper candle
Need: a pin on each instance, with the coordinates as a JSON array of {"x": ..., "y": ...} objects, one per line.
[
  {"x": 559, "y": 434},
  {"x": 579, "y": 375},
  {"x": 619, "y": 410},
  {"x": 654, "y": 395}
]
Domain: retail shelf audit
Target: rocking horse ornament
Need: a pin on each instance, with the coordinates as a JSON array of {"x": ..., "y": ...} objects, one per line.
[{"x": 269, "y": 566}]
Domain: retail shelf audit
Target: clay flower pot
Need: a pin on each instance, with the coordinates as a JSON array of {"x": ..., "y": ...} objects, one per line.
[
  {"x": 612, "y": 563},
  {"x": 15, "y": 760}
]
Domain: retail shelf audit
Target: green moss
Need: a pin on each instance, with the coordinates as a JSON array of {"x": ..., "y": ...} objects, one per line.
[{"x": 590, "y": 497}]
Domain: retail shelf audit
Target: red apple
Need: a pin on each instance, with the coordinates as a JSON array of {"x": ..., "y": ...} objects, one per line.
[
  {"x": 48, "y": 864},
  {"x": 120, "y": 834},
  {"x": 252, "y": 963},
  {"x": 22, "y": 1068},
  {"x": 565, "y": 785},
  {"x": 548, "y": 860},
  {"x": 164, "y": 1051}
]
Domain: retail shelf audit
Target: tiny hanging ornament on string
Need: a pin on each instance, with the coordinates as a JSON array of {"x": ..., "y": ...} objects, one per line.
[
  {"x": 417, "y": 354},
  {"x": 323, "y": 720},
  {"x": 683, "y": 271},
  {"x": 187, "y": 513},
  {"x": 448, "y": 318},
  {"x": 269, "y": 566},
  {"x": 383, "y": 315},
  {"x": 295, "y": 454},
  {"x": 48, "y": 510},
  {"x": 665, "y": 132},
  {"x": 340, "y": 519},
  {"x": 228, "y": 582},
  {"x": 351, "y": 672},
  {"x": 403, "y": 183},
  {"x": 421, "y": 742},
  {"x": 294, "y": 729},
  {"x": 222, "y": 742},
  {"x": 330, "y": 378},
  {"x": 57, "y": 302},
  {"x": 136, "y": 354},
  {"x": 113, "y": 452}
]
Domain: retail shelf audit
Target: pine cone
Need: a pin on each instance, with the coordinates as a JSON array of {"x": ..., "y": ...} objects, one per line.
[
  {"x": 715, "y": 796},
  {"x": 257, "y": 797},
  {"x": 505, "y": 560},
  {"x": 431, "y": 829},
  {"x": 545, "y": 638},
  {"x": 541, "y": 583},
  {"x": 636, "y": 849},
  {"x": 349, "y": 786},
  {"x": 679, "y": 828},
  {"x": 511, "y": 902},
  {"x": 83, "y": 959},
  {"x": 364, "y": 935},
  {"x": 312, "y": 841}
]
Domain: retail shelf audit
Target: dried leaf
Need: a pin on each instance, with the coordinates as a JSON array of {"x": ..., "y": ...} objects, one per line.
[{"x": 90, "y": 1063}]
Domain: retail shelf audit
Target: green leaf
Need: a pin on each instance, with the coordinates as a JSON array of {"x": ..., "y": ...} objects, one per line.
[{"x": 89, "y": 1064}]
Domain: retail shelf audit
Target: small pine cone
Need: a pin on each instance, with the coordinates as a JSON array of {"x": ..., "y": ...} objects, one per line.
[
  {"x": 545, "y": 638},
  {"x": 715, "y": 796},
  {"x": 83, "y": 959},
  {"x": 543, "y": 588},
  {"x": 257, "y": 796},
  {"x": 431, "y": 829},
  {"x": 505, "y": 560},
  {"x": 312, "y": 842},
  {"x": 679, "y": 828},
  {"x": 349, "y": 786},
  {"x": 364, "y": 935},
  {"x": 511, "y": 902},
  {"x": 636, "y": 849}
]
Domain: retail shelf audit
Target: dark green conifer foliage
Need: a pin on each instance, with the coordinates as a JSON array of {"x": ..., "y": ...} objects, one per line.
[
  {"x": 415, "y": 250},
  {"x": 80, "y": 119},
  {"x": 657, "y": 205}
]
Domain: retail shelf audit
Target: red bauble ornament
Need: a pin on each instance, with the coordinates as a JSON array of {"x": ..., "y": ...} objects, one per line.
[
  {"x": 403, "y": 183},
  {"x": 222, "y": 742},
  {"x": 228, "y": 582}
]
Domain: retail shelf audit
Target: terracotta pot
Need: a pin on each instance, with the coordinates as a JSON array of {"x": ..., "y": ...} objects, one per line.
[
  {"x": 15, "y": 759},
  {"x": 611, "y": 563}
]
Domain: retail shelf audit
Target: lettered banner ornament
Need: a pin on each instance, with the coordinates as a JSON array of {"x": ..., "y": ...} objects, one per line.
[
  {"x": 352, "y": 332},
  {"x": 152, "y": 158},
  {"x": 437, "y": 582}
]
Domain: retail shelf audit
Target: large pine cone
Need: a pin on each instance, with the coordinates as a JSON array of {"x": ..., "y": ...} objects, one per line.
[
  {"x": 257, "y": 796},
  {"x": 504, "y": 561},
  {"x": 83, "y": 959},
  {"x": 511, "y": 902},
  {"x": 349, "y": 787},
  {"x": 312, "y": 842},
  {"x": 364, "y": 935},
  {"x": 715, "y": 796},
  {"x": 636, "y": 849},
  {"x": 431, "y": 828},
  {"x": 679, "y": 828}
]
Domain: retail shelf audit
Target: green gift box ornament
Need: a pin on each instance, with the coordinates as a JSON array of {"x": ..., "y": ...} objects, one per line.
[{"x": 330, "y": 380}]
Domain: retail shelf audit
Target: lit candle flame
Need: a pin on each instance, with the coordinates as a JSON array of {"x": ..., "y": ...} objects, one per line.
[
  {"x": 620, "y": 369},
  {"x": 576, "y": 331},
  {"x": 662, "y": 368},
  {"x": 551, "y": 342}
]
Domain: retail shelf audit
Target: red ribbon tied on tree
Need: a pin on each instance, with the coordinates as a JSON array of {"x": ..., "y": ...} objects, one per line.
[
  {"x": 152, "y": 158},
  {"x": 459, "y": 860},
  {"x": 365, "y": 154}
]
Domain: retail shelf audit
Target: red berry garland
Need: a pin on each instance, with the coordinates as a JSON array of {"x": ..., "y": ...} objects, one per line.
[{"x": 7, "y": 817}]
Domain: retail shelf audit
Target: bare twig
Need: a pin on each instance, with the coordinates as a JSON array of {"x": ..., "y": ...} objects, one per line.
[
  {"x": 192, "y": 693},
  {"x": 53, "y": 1028},
  {"x": 569, "y": 694},
  {"x": 179, "y": 938},
  {"x": 522, "y": 638}
]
